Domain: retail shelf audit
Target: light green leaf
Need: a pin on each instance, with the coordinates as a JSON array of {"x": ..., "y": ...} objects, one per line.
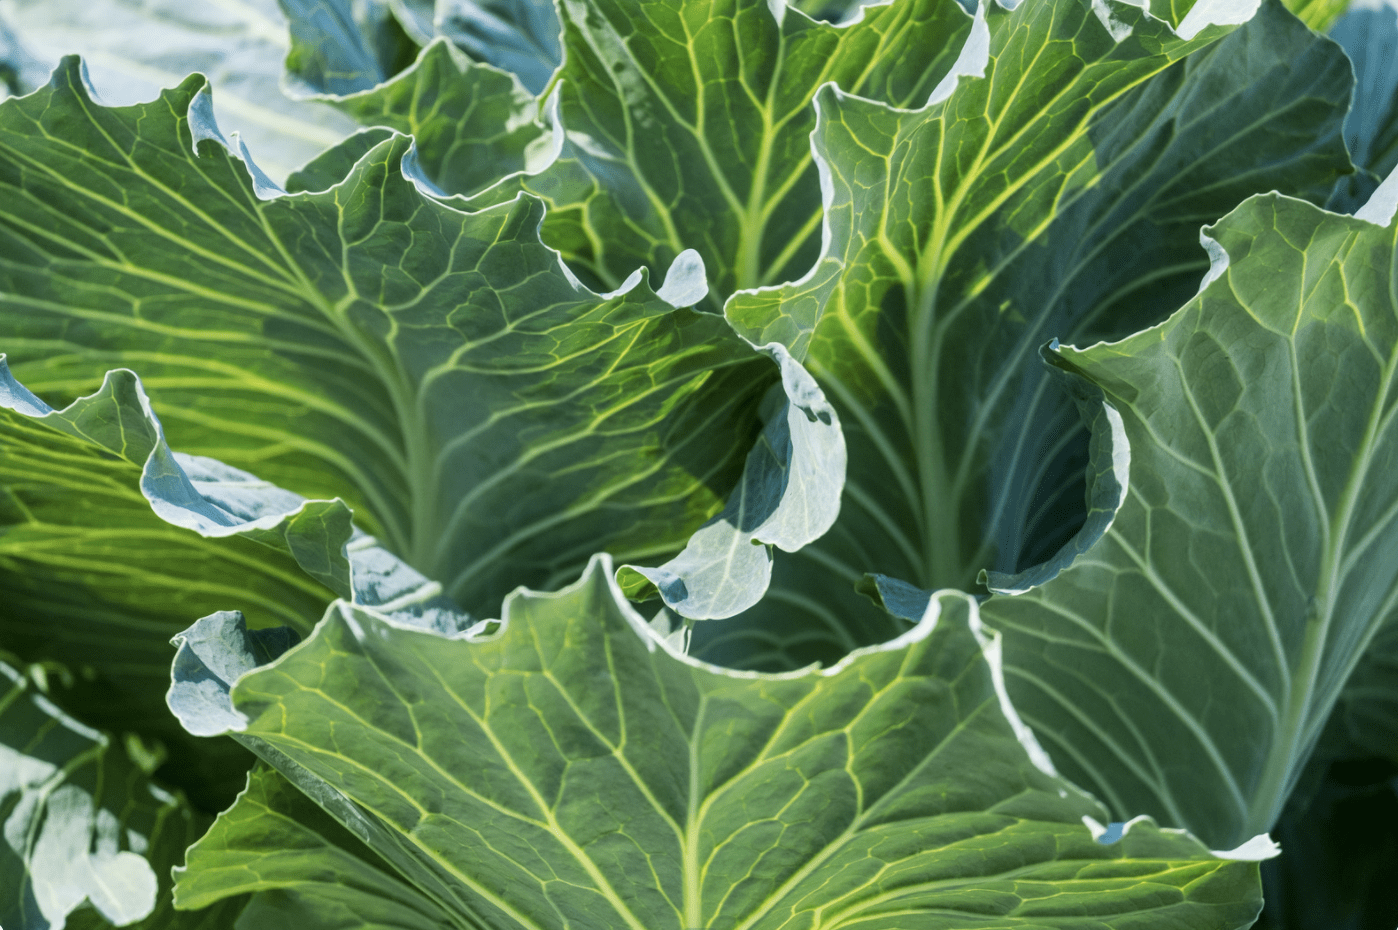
[
  {"x": 1186, "y": 665},
  {"x": 135, "y": 48},
  {"x": 302, "y": 867},
  {"x": 94, "y": 578},
  {"x": 687, "y": 126},
  {"x": 965, "y": 235},
  {"x": 570, "y": 770},
  {"x": 488, "y": 418},
  {"x": 82, "y": 823}
]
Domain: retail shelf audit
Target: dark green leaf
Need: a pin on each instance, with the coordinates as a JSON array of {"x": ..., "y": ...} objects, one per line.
[{"x": 965, "y": 235}]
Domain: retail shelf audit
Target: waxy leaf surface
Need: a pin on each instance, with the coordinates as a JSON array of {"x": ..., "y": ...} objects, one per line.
[
  {"x": 570, "y": 770},
  {"x": 1056, "y": 189},
  {"x": 1257, "y": 536},
  {"x": 489, "y": 418}
]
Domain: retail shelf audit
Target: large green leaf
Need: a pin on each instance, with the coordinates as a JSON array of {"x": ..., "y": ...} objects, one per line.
[
  {"x": 84, "y": 827},
  {"x": 1056, "y": 189},
  {"x": 489, "y": 418},
  {"x": 520, "y": 36},
  {"x": 135, "y": 48},
  {"x": 686, "y": 126},
  {"x": 568, "y": 769},
  {"x": 94, "y": 578},
  {"x": 1186, "y": 665}
]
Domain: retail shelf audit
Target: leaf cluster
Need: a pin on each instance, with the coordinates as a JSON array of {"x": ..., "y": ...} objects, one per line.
[{"x": 698, "y": 463}]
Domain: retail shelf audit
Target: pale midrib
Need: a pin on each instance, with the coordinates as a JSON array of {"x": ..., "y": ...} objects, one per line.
[
  {"x": 928, "y": 332},
  {"x": 1047, "y": 730},
  {"x": 1279, "y": 771}
]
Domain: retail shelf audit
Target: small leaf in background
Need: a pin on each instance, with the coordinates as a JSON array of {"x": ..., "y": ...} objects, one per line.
[
  {"x": 83, "y": 825},
  {"x": 134, "y": 49},
  {"x": 488, "y": 418}
]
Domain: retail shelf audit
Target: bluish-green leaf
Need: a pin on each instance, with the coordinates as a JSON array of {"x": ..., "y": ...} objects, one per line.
[
  {"x": 520, "y": 36},
  {"x": 570, "y": 770},
  {"x": 488, "y": 418},
  {"x": 1186, "y": 664},
  {"x": 341, "y": 46},
  {"x": 1368, "y": 33}
]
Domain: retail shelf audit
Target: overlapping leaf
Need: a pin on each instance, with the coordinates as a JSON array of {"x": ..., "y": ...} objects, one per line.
[
  {"x": 340, "y": 46},
  {"x": 686, "y": 126},
  {"x": 490, "y": 419},
  {"x": 471, "y": 124},
  {"x": 570, "y": 770},
  {"x": 1026, "y": 202},
  {"x": 95, "y": 579},
  {"x": 301, "y": 867},
  {"x": 135, "y": 48},
  {"x": 1188, "y": 662},
  {"x": 83, "y": 825}
]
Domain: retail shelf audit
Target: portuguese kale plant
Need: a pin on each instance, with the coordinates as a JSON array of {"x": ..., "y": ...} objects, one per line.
[{"x": 675, "y": 464}]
